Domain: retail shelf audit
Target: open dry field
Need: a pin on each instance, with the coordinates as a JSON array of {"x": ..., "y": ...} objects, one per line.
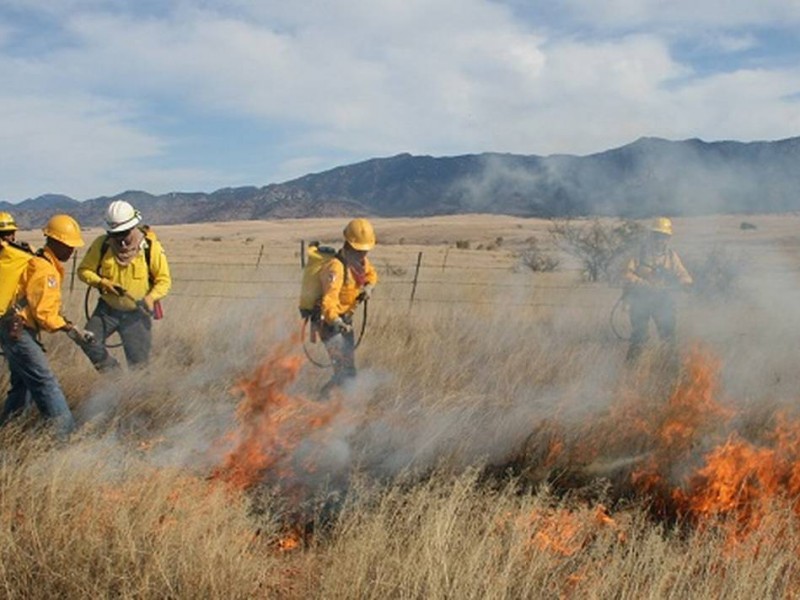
[{"x": 494, "y": 445}]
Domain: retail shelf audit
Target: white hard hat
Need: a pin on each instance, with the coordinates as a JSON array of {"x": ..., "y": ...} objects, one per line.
[{"x": 121, "y": 216}]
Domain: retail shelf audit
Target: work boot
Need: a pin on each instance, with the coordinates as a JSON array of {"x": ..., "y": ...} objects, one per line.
[{"x": 108, "y": 365}]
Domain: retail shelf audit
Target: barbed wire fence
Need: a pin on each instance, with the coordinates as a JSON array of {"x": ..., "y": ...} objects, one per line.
[{"x": 423, "y": 276}]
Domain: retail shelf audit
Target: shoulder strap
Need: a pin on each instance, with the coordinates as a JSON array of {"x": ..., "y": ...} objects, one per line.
[
  {"x": 40, "y": 253},
  {"x": 103, "y": 249},
  {"x": 24, "y": 246},
  {"x": 338, "y": 256}
]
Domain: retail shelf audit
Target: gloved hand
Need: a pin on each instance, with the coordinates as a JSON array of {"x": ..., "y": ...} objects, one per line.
[
  {"x": 339, "y": 324},
  {"x": 145, "y": 305},
  {"x": 109, "y": 287},
  {"x": 78, "y": 335},
  {"x": 366, "y": 292}
]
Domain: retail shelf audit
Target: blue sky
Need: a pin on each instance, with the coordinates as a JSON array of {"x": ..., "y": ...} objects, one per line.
[{"x": 103, "y": 96}]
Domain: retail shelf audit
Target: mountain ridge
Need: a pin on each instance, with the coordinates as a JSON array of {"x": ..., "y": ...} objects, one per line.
[{"x": 648, "y": 176}]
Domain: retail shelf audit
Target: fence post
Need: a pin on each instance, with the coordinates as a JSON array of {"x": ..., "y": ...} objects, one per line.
[
  {"x": 416, "y": 277},
  {"x": 302, "y": 254},
  {"x": 444, "y": 260},
  {"x": 260, "y": 254},
  {"x": 74, "y": 267}
]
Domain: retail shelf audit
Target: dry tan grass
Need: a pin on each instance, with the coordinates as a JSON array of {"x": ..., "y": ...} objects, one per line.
[{"x": 488, "y": 368}]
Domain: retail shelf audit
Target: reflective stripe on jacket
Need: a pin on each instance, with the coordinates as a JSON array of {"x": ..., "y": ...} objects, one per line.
[
  {"x": 134, "y": 277},
  {"x": 340, "y": 292},
  {"x": 40, "y": 285}
]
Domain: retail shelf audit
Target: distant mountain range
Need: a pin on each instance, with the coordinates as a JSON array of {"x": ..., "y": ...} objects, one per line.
[{"x": 649, "y": 176}]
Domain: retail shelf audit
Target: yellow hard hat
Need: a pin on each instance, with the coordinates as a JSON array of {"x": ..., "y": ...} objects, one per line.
[
  {"x": 65, "y": 229},
  {"x": 7, "y": 222},
  {"x": 360, "y": 235},
  {"x": 661, "y": 225}
]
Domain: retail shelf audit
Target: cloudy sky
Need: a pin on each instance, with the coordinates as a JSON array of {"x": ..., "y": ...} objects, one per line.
[{"x": 100, "y": 96}]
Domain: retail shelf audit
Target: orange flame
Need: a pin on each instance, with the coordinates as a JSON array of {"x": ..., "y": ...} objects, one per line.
[{"x": 272, "y": 422}]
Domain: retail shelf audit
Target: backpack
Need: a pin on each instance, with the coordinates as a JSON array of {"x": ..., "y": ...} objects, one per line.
[
  {"x": 311, "y": 289},
  {"x": 14, "y": 259},
  {"x": 149, "y": 238}
]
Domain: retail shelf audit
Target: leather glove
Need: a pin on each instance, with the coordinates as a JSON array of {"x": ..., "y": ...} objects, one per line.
[
  {"x": 145, "y": 305},
  {"x": 78, "y": 335},
  {"x": 339, "y": 324},
  {"x": 109, "y": 287},
  {"x": 366, "y": 292}
]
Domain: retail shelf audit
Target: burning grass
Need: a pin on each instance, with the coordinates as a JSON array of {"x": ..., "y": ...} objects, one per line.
[{"x": 483, "y": 467}]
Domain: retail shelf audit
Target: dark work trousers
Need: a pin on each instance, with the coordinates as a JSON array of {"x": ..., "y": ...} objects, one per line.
[
  {"x": 134, "y": 328},
  {"x": 341, "y": 349},
  {"x": 646, "y": 305}
]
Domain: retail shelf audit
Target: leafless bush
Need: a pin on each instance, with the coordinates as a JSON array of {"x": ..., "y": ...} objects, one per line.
[
  {"x": 462, "y": 244},
  {"x": 598, "y": 246},
  {"x": 537, "y": 259},
  {"x": 393, "y": 270}
]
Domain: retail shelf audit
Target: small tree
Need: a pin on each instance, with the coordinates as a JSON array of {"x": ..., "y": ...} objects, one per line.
[{"x": 596, "y": 245}]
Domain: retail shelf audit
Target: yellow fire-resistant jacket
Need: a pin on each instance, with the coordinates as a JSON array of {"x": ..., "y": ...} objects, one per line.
[
  {"x": 134, "y": 277},
  {"x": 40, "y": 285},
  {"x": 340, "y": 289},
  {"x": 650, "y": 270}
]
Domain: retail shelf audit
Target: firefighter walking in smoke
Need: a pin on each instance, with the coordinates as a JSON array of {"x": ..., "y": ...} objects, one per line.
[
  {"x": 651, "y": 278},
  {"x": 128, "y": 265},
  {"x": 37, "y": 306},
  {"x": 346, "y": 280}
]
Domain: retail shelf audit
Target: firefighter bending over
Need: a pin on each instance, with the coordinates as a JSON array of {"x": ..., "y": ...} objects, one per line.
[
  {"x": 651, "y": 278},
  {"x": 129, "y": 267},
  {"x": 37, "y": 307},
  {"x": 345, "y": 282}
]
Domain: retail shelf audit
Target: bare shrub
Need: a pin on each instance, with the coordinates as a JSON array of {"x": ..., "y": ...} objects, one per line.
[
  {"x": 393, "y": 270},
  {"x": 462, "y": 244},
  {"x": 536, "y": 259},
  {"x": 598, "y": 246}
]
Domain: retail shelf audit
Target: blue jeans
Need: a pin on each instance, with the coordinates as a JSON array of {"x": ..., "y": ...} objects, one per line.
[{"x": 32, "y": 379}]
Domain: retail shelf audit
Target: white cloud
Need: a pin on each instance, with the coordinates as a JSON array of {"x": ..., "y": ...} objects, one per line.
[
  {"x": 80, "y": 146},
  {"x": 358, "y": 78},
  {"x": 692, "y": 14}
]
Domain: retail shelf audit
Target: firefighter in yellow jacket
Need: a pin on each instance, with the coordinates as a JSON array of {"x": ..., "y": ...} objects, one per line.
[
  {"x": 8, "y": 227},
  {"x": 651, "y": 279},
  {"x": 128, "y": 265},
  {"x": 37, "y": 307},
  {"x": 345, "y": 281}
]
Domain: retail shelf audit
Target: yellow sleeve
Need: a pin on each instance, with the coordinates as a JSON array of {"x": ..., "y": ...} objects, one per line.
[
  {"x": 630, "y": 276},
  {"x": 43, "y": 291},
  {"x": 370, "y": 274},
  {"x": 332, "y": 278},
  {"x": 87, "y": 270},
  {"x": 159, "y": 270},
  {"x": 679, "y": 270}
]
